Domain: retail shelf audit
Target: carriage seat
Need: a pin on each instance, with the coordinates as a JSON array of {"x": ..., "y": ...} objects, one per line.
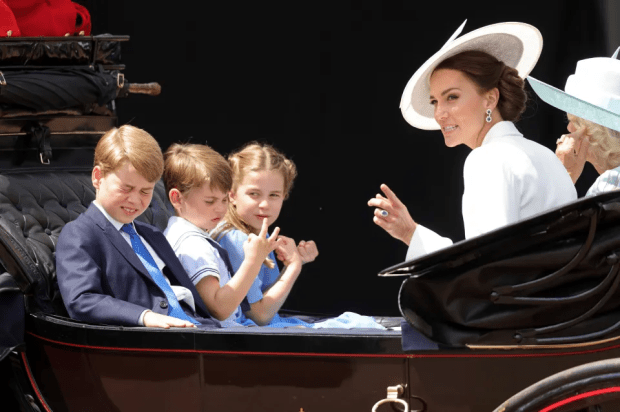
[{"x": 35, "y": 205}]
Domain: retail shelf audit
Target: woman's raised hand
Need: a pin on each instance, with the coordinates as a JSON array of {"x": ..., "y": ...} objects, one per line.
[
  {"x": 392, "y": 215},
  {"x": 572, "y": 150},
  {"x": 259, "y": 246}
]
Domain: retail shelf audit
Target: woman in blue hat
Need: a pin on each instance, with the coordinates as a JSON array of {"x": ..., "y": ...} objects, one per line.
[{"x": 591, "y": 100}]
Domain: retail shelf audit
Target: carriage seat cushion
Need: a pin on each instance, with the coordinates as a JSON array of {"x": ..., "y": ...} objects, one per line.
[{"x": 34, "y": 208}]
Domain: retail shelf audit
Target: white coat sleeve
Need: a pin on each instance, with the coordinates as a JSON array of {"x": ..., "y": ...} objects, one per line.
[
  {"x": 492, "y": 193},
  {"x": 425, "y": 241}
]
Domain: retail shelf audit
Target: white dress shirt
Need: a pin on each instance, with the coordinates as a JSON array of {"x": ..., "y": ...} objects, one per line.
[{"x": 507, "y": 179}]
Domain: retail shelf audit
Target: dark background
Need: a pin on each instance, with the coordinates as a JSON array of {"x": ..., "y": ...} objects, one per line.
[{"x": 322, "y": 83}]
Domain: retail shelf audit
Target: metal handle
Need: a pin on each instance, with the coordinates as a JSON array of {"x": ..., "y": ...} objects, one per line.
[
  {"x": 153, "y": 89},
  {"x": 392, "y": 396}
]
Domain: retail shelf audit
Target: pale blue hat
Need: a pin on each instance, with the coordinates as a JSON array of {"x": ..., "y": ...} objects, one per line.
[{"x": 592, "y": 93}]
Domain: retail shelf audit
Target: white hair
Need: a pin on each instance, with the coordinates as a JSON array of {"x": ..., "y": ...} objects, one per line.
[{"x": 604, "y": 142}]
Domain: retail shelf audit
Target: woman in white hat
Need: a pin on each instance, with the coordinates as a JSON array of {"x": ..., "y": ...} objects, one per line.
[
  {"x": 472, "y": 90},
  {"x": 592, "y": 102}
]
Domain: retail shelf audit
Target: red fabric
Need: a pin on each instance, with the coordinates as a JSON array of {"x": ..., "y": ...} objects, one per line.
[
  {"x": 85, "y": 25},
  {"x": 8, "y": 24},
  {"x": 49, "y": 17}
]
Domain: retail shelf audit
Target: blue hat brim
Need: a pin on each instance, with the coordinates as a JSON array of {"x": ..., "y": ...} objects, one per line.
[{"x": 577, "y": 107}]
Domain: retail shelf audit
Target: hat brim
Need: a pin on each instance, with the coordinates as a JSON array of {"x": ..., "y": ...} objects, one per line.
[
  {"x": 518, "y": 45},
  {"x": 575, "y": 106}
]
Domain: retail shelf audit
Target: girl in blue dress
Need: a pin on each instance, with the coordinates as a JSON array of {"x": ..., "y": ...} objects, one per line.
[{"x": 262, "y": 179}]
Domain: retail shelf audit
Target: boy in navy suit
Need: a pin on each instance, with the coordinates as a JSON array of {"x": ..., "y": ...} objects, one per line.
[{"x": 113, "y": 270}]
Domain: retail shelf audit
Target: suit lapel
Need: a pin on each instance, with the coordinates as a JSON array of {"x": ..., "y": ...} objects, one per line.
[
  {"x": 117, "y": 240},
  {"x": 160, "y": 246},
  {"x": 176, "y": 272}
]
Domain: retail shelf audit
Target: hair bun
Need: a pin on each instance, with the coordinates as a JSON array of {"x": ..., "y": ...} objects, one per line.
[{"x": 512, "y": 94}]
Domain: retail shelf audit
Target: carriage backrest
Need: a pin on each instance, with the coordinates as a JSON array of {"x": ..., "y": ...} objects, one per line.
[
  {"x": 550, "y": 279},
  {"x": 35, "y": 205}
]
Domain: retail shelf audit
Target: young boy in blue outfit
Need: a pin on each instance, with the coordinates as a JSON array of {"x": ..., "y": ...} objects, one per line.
[
  {"x": 197, "y": 181},
  {"x": 113, "y": 270}
]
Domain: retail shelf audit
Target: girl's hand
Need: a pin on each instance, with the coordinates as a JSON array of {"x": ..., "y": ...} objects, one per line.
[
  {"x": 259, "y": 246},
  {"x": 307, "y": 251},
  {"x": 397, "y": 221},
  {"x": 572, "y": 151},
  {"x": 287, "y": 251}
]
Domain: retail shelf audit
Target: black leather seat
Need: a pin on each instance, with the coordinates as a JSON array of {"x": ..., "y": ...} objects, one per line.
[{"x": 35, "y": 205}]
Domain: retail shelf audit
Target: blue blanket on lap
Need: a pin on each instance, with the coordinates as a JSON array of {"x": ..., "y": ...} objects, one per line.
[{"x": 348, "y": 320}]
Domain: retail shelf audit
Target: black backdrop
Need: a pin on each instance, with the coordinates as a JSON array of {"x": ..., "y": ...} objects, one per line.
[{"x": 323, "y": 84}]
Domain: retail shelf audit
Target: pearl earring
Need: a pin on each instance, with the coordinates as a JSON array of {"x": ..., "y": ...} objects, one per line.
[{"x": 488, "y": 119}]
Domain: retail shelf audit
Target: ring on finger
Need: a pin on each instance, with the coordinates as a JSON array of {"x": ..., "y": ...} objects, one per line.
[{"x": 384, "y": 213}]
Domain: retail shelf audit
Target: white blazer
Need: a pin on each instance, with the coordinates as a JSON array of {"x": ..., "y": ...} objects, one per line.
[{"x": 507, "y": 179}]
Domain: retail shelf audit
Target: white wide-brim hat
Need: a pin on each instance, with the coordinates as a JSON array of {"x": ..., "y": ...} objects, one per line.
[
  {"x": 592, "y": 93},
  {"x": 518, "y": 45}
]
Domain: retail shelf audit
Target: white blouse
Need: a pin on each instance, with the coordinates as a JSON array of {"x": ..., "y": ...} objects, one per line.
[
  {"x": 609, "y": 180},
  {"x": 507, "y": 179}
]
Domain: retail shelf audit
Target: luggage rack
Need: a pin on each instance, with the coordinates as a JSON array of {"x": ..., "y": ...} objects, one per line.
[
  {"x": 47, "y": 52},
  {"x": 60, "y": 93}
]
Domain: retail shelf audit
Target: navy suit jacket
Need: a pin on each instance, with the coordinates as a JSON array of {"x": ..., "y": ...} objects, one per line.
[{"x": 102, "y": 280}]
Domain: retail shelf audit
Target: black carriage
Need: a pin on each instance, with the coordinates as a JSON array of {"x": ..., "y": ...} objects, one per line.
[{"x": 511, "y": 312}]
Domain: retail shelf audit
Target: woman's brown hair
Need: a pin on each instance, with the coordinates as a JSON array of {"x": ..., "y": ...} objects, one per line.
[{"x": 487, "y": 72}]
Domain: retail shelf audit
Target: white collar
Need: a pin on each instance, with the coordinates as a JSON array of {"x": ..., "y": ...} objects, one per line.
[
  {"x": 178, "y": 226},
  {"x": 117, "y": 225},
  {"x": 503, "y": 128}
]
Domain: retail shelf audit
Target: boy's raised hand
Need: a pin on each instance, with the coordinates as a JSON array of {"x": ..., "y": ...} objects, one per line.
[
  {"x": 259, "y": 246},
  {"x": 307, "y": 250}
]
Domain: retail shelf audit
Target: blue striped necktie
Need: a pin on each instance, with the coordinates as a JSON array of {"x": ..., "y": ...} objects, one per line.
[{"x": 147, "y": 260}]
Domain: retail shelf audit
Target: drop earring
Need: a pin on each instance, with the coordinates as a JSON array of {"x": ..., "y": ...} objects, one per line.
[{"x": 488, "y": 119}]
